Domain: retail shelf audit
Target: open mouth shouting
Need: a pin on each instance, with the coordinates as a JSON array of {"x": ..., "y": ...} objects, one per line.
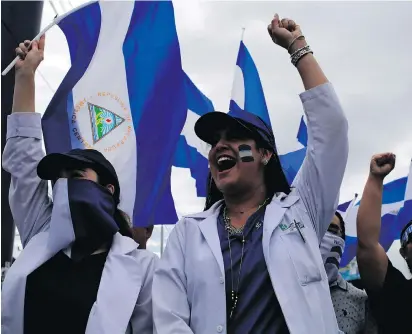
[{"x": 225, "y": 162}]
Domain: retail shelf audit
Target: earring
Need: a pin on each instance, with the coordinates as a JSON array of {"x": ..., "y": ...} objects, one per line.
[{"x": 265, "y": 162}]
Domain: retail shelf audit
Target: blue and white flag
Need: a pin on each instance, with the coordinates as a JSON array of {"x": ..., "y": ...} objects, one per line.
[
  {"x": 124, "y": 95},
  {"x": 342, "y": 208},
  {"x": 405, "y": 213},
  {"x": 392, "y": 200},
  {"x": 248, "y": 95},
  {"x": 292, "y": 161},
  {"x": 191, "y": 152},
  {"x": 345, "y": 208},
  {"x": 247, "y": 91}
]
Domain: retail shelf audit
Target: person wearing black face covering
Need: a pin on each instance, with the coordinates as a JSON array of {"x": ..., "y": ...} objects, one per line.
[{"x": 80, "y": 270}]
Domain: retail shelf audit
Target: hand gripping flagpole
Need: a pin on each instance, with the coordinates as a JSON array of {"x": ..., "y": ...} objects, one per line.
[{"x": 55, "y": 21}]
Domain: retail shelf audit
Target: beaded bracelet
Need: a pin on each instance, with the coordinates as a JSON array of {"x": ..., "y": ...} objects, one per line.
[{"x": 299, "y": 53}]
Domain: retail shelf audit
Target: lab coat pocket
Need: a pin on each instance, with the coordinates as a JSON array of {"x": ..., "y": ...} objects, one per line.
[{"x": 302, "y": 257}]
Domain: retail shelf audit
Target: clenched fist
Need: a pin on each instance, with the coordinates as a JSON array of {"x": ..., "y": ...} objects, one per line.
[
  {"x": 30, "y": 55},
  {"x": 382, "y": 164},
  {"x": 284, "y": 32}
]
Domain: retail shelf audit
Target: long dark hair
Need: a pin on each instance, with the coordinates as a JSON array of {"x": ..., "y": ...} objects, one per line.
[
  {"x": 274, "y": 177},
  {"x": 119, "y": 216},
  {"x": 124, "y": 227}
]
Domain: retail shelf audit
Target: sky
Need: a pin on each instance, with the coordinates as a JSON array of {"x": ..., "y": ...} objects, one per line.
[{"x": 361, "y": 47}]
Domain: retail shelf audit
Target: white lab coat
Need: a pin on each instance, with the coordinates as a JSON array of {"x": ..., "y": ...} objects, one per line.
[
  {"x": 124, "y": 303},
  {"x": 189, "y": 282}
]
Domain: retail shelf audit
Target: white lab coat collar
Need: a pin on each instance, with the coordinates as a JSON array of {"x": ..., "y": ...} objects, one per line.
[
  {"x": 208, "y": 225},
  {"x": 285, "y": 201}
]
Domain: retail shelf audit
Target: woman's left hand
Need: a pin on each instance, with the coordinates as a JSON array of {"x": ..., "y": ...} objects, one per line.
[{"x": 284, "y": 32}]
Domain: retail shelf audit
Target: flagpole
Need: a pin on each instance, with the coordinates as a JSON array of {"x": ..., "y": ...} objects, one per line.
[
  {"x": 62, "y": 5},
  {"x": 161, "y": 239},
  {"x": 56, "y": 20},
  {"x": 243, "y": 34},
  {"x": 351, "y": 205},
  {"x": 54, "y": 8}
]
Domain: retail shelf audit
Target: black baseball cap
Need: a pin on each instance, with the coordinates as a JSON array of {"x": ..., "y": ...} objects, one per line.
[
  {"x": 210, "y": 124},
  {"x": 50, "y": 167}
]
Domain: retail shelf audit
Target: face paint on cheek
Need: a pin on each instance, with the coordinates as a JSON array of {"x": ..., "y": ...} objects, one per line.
[{"x": 245, "y": 153}]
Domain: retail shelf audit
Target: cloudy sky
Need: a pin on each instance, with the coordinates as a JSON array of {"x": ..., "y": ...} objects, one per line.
[{"x": 362, "y": 47}]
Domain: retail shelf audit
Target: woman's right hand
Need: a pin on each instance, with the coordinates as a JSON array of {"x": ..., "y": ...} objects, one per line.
[{"x": 30, "y": 55}]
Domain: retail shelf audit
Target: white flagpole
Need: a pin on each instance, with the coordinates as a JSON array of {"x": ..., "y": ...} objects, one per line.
[
  {"x": 351, "y": 205},
  {"x": 54, "y": 8},
  {"x": 161, "y": 239},
  {"x": 41, "y": 33},
  {"x": 63, "y": 5},
  {"x": 243, "y": 34}
]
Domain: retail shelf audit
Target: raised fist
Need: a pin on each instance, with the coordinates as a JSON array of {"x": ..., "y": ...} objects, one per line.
[
  {"x": 284, "y": 32},
  {"x": 30, "y": 55},
  {"x": 382, "y": 164}
]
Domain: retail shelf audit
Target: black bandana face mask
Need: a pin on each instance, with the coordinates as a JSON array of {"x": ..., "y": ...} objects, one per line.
[{"x": 85, "y": 210}]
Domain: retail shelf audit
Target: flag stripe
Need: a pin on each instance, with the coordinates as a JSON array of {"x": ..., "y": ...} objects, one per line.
[
  {"x": 191, "y": 152},
  {"x": 344, "y": 206},
  {"x": 157, "y": 97},
  {"x": 82, "y": 37},
  {"x": 254, "y": 97}
]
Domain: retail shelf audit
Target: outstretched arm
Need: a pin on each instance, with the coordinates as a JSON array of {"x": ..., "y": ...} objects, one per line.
[
  {"x": 371, "y": 257},
  {"x": 28, "y": 196},
  {"x": 320, "y": 177}
]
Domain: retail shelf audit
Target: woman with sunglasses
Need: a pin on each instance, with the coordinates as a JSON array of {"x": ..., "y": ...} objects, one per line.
[{"x": 250, "y": 263}]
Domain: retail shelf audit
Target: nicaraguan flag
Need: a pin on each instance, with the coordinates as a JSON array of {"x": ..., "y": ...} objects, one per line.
[
  {"x": 392, "y": 201},
  {"x": 124, "y": 95},
  {"x": 191, "y": 152}
]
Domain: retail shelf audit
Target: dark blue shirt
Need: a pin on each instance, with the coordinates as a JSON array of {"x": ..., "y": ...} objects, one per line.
[{"x": 257, "y": 309}]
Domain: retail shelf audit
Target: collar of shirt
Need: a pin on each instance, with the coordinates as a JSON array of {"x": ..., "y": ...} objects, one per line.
[{"x": 340, "y": 283}]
